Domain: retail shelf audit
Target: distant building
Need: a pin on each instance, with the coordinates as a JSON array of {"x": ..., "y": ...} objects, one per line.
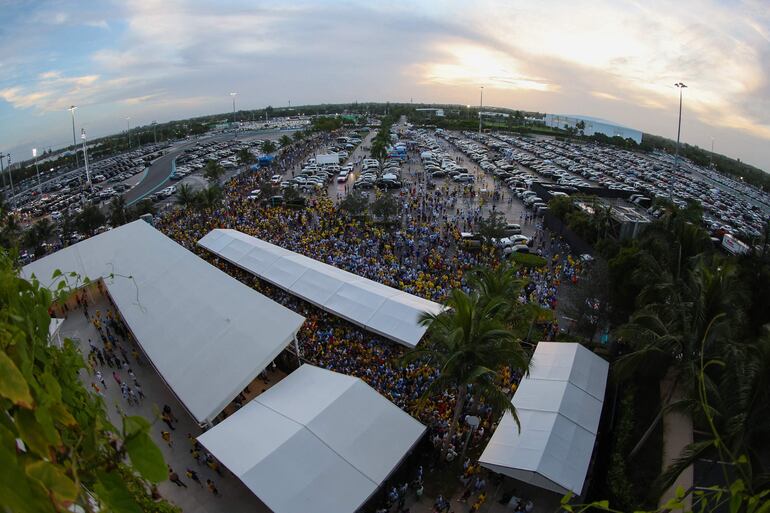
[
  {"x": 592, "y": 126},
  {"x": 439, "y": 113},
  {"x": 493, "y": 114}
]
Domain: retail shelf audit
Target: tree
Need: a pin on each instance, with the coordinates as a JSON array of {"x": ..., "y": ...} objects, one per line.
[
  {"x": 73, "y": 456},
  {"x": 145, "y": 206},
  {"x": 213, "y": 171},
  {"x": 268, "y": 147},
  {"x": 501, "y": 283},
  {"x": 492, "y": 227},
  {"x": 666, "y": 335},
  {"x": 355, "y": 204},
  {"x": 90, "y": 219},
  {"x": 284, "y": 141},
  {"x": 209, "y": 198},
  {"x": 118, "y": 211},
  {"x": 378, "y": 150},
  {"x": 185, "y": 196},
  {"x": 299, "y": 135},
  {"x": 245, "y": 157},
  {"x": 385, "y": 206},
  {"x": 37, "y": 234},
  {"x": 468, "y": 343},
  {"x": 292, "y": 197}
]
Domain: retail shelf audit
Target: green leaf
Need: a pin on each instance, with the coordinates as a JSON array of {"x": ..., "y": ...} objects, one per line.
[
  {"x": 17, "y": 493},
  {"x": 146, "y": 458},
  {"x": 113, "y": 492},
  {"x": 31, "y": 433},
  {"x": 62, "y": 489},
  {"x": 62, "y": 415},
  {"x": 12, "y": 383}
]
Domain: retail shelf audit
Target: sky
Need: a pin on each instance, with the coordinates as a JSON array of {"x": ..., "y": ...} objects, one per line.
[{"x": 159, "y": 60}]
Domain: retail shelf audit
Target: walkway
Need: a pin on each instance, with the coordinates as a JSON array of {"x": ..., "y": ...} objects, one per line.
[{"x": 235, "y": 497}]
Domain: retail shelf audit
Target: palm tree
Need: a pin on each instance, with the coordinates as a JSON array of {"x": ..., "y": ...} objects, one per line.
[
  {"x": 468, "y": 343},
  {"x": 185, "y": 196},
  {"x": 213, "y": 171},
  {"x": 502, "y": 283},
  {"x": 268, "y": 147},
  {"x": 740, "y": 413},
  {"x": 245, "y": 157},
  {"x": 209, "y": 197},
  {"x": 284, "y": 141},
  {"x": 667, "y": 335}
]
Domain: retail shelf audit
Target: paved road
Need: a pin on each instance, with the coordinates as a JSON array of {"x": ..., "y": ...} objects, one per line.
[{"x": 157, "y": 176}]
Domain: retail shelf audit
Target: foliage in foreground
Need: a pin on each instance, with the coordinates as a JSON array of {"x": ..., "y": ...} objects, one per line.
[{"x": 68, "y": 453}]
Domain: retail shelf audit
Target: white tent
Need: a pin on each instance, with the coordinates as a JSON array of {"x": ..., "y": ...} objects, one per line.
[
  {"x": 317, "y": 441},
  {"x": 559, "y": 406},
  {"x": 389, "y": 312},
  {"x": 207, "y": 334}
]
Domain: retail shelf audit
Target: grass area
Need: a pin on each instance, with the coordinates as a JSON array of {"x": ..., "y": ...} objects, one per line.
[{"x": 528, "y": 259}]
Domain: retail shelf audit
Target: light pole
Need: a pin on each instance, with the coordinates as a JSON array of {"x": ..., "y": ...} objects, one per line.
[
  {"x": 74, "y": 140},
  {"x": 2, "y": 169},
  {"x": 85, "y": 159},
  {"x": 680, "y": 86},
  {"x": 235, "y": 130},
  {"x": 10, "y": 177},
  {"x": 155, "y": 131},
  {"x": 128, "y": 131},
  {"x": 37, "y": 172},
  {"x": 481, "y": 105}
]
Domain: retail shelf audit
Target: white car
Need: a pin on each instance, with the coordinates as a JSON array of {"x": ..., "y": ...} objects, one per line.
[
  {"x": 276, "y": 179},
  {"x": 342, "y": 177},
  {"x": 513, "y": 240}
]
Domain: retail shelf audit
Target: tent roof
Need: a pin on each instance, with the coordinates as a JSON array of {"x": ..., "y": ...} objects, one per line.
[
  {"x": 559, "y": 405},
  {"x": 317, "y": 441},
  {"x": 389, "y": 312},
  {"x": 207, "y": 334}
]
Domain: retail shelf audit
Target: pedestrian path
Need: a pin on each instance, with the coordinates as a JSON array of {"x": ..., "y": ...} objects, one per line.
[{"x": 192, "y": 497}]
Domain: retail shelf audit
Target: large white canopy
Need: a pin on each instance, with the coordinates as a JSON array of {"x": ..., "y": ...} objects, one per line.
[
  {"x": 207, "y": 334},
  {"x": 389, "y": 312},
  {"x": 317, "y": 441},
  {"x": 559, "y": 406}
]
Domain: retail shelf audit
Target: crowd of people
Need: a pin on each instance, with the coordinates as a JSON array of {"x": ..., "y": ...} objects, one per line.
[
  {"x": 113, "y": 352},
  {"x": 420, "y": 254}
]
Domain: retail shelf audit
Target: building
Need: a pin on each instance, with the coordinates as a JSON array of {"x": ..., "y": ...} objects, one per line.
[
  {"x": 439, "y": 113},
  {"x": 592, "y": 126}
]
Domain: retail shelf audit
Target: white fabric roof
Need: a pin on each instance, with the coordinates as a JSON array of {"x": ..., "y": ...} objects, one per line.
[
  {"x": 207, "y": 334},
  {"x": 317, "y": 441},
  {"x": 559, "y": 406},
  {"x": 389, "y": 312}
]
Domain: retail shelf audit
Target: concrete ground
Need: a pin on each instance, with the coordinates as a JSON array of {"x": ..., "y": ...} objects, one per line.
[{"x": 235, "y": 497}]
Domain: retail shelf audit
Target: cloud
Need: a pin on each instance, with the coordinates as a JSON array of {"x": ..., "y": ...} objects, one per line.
[
  {"x": 474, "y": 65},
  {"x": 605, "y": 96}
]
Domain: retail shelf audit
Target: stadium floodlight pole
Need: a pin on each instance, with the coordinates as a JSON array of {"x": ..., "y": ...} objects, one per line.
[
  {"x": 233, "y": 95},
  {"x": 481, "y": 105},
  {"x": 10, "y": 177},
  {"x": 85, "y": 159},
  {"x": 128, "y": 131},
  {"x": 680, "y": 86},
  {"x": 155, "y": 131},
  {"x": 72, "y": 109},
  {"x": 37, "y": 172}
]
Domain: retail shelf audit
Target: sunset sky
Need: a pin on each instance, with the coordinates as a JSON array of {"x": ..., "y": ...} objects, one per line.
[{"x": 163, "y": 60}]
